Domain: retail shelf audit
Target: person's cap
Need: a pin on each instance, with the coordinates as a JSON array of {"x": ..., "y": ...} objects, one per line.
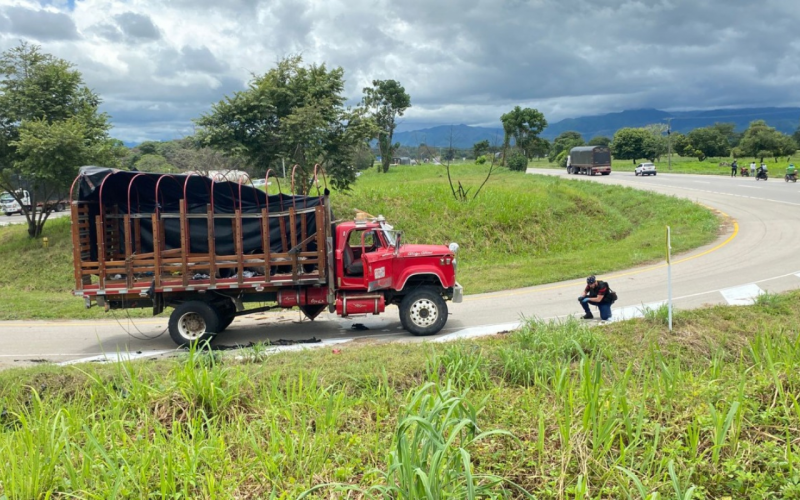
[{"x": 590, "y": 280}]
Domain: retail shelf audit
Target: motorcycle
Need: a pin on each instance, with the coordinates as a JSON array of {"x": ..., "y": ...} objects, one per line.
[
  {"x": 745, "y": 172},
  {"x": 790, "y": 177},
  {"x": 761, "y": 174}
]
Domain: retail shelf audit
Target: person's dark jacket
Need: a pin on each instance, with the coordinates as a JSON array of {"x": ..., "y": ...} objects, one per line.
[{"x": 600, "y": 289}]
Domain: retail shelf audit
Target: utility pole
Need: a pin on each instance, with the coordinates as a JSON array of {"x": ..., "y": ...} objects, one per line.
[{"x": 669, "y": 142}]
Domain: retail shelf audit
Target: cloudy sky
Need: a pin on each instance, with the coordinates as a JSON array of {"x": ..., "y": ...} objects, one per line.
[{"x": 158, "y": 64}]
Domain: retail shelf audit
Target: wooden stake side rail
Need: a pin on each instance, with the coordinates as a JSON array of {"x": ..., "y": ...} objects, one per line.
[{"x": 122, "y": 268}]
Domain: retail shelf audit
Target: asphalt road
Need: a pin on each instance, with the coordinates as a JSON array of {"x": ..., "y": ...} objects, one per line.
[{"x": 757, "y": 251}]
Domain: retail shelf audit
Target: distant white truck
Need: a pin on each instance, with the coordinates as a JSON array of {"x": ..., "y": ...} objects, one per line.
[{"x": 10, "y": 206}]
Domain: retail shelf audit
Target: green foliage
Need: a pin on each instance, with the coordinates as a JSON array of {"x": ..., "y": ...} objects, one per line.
[
  {"x": 517, "y": 161},
  {"x": 634, "y": 143},
  {"x": 50, "y": 125},
  {"x": 761, "y": 140},
  {"x": 295, "y": 113},
  {"x": 728, "y": 131},
  {"x": 709, "y": 410},
  {"x": 481, "y": 148},
  {"x": 153, "y": 163},
  {"x": 600, "y": 141},
  {"x": 386, "y": 100},
  {"x": 481, "y": 160},
  {"x": 565, "y": 142},
  {"x": 711, "y": 141},
  {"x": 524, "y": 126},
  {"x": 561, "y": 159}
]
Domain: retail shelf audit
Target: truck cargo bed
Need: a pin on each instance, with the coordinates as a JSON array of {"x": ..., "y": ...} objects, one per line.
[{"x": 139, "y": 233}]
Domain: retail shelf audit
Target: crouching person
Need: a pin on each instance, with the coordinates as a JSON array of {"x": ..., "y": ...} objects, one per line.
[{"x": 596, "y": 293}]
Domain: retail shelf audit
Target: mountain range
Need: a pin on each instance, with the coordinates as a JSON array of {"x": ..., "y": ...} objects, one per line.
[{"x": 464, "y": 136}]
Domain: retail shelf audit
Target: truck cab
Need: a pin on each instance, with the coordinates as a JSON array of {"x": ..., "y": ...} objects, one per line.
[
  {"x": 374, "y": 268},
  {"x": 9, "y": 205}
]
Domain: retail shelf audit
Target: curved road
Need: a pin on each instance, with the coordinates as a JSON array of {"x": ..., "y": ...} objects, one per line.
[{"x": 758, "y": 251}]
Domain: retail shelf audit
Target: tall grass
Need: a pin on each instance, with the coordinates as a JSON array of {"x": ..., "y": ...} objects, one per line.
[{"x": 629, "y": 410}]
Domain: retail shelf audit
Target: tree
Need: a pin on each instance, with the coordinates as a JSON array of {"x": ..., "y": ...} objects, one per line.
[
  {"x": 659, "y": 144},
  {"x": 682, "y": 145},
  {"x": 565, "y": 142},
  {"x": 760, "y": 140},
  {"x": 524, "y": 126},
  {"x": 294, "y": 113},
  {"x": 728, "y": 131},
  {"x": 386, "y": 100},
  {"x": 49, "y": 127},
  {"x": 633, "y": 143},
  {"x": 481, "y": 148},
  {"x": 796, "y": 136},
  {"x": 600, "y": 140},
  {"x": 784, "y": 146},
  {"x": 710, "y": 141}
]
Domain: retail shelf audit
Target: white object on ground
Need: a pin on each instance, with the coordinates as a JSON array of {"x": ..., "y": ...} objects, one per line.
[{"x": 743, "y": 295}]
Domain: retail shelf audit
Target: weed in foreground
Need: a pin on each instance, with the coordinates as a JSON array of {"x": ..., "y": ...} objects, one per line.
[{"x": 430, "y": 458}]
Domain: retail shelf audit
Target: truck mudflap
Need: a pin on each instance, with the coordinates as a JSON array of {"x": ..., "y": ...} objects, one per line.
[{"x": 458, "y": 293}]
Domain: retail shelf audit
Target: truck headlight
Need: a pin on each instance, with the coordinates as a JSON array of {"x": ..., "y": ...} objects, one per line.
[{"x": 453, "y": 247}]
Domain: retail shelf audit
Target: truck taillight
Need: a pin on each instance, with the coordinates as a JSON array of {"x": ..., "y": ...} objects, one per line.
[{"x": 445, "y": 261}]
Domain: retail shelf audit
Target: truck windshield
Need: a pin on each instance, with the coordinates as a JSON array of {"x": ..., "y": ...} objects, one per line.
[
  {"x": 389, "y": 234},
  {"x": 5, "y": 197}
]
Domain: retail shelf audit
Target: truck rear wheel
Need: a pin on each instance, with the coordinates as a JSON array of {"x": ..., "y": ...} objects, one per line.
[
  {"x": 192, "y": 322},
  {"x": 423, "y": 311}
]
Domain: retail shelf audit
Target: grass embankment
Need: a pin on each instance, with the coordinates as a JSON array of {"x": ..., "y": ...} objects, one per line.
[
  {"x": 690, "y": 165},
  {"x": 623, "y": 411},
  {"x": 521, "y": 230}
]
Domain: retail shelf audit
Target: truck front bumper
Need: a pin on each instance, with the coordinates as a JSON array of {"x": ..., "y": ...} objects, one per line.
[{"x": 458, "y": 293}]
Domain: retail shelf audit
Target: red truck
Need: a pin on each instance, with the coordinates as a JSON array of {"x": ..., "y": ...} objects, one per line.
[{"x": 206, "y": 248}]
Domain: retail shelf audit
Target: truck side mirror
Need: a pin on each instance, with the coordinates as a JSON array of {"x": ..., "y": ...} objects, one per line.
[{"x": 397, "y": 243}]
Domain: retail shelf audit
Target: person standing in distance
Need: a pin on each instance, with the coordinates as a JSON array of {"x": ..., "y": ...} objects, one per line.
[
  {"x": 752, "y": 168},
  {"x": 596, "y": 294},
  {"x": 734, "y": 168}
]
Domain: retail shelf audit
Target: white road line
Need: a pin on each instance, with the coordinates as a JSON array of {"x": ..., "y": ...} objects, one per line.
[
  {"x": 797, "y": 274},
  {"x": 743, "y": 295},
  {"x": 749, "y": 186},
  {"x": 478, "y": 331},
  {"x": 701, "y": 182},
  {"x": 631, "y": 312},
  {"x": 117, "y": 357}
]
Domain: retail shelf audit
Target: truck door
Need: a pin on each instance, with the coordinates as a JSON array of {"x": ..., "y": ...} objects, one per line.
[
  {"x": 366, "y": 261},
  {"x": 378, "y": 263}
]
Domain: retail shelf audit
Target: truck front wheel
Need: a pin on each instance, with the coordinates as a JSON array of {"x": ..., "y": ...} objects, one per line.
[
  {"x": 192, "y": 322},
  {"x": 423, "y": 312}
]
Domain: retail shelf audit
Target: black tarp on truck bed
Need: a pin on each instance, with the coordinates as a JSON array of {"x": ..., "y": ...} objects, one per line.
[{"x": 199, "y": 190}]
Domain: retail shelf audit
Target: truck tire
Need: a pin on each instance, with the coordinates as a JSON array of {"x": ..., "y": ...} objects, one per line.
[
  {"x": 423, "y": 311},
  {"x": 227, "y": 313},
  {"x": 193, "y": 322},
  {"x": 9, "y": 214},
  {"x": 60, "y": 207}
]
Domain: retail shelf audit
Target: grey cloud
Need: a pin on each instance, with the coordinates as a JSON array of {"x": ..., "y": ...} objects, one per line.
[
  {"x": 39, "y": 24},
  {"x": 464, "y": 61},
  {"x": 137, "y": 26},
  {"x": 107, "y": 31},
  {"x": 201, "y": 59}
]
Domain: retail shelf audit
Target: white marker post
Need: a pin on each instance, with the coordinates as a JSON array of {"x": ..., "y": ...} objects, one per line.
[{"x": 669, "y": 280}]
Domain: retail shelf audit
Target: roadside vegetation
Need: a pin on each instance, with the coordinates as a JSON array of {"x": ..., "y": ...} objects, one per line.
[
  {"x": 522, "y": 230},
  {"x": 561, "y": 410}
]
